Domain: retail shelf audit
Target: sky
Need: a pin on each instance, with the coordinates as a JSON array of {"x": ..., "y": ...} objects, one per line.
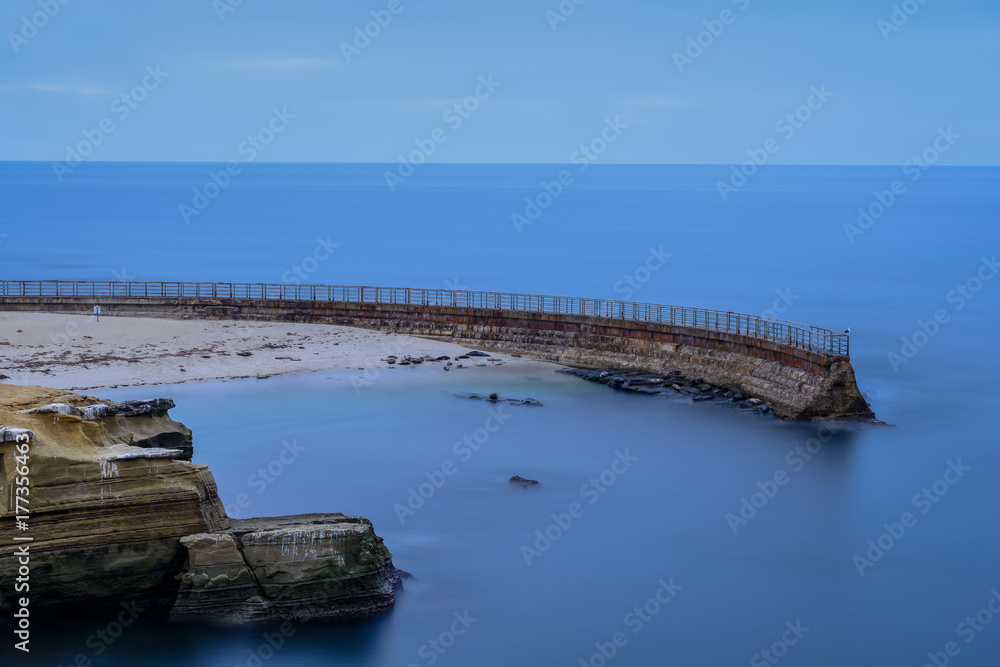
[{"x": 699, "y": 81}]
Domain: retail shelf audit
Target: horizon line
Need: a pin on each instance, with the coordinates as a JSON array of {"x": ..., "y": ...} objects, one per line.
[{"x": 530, "y": 164}]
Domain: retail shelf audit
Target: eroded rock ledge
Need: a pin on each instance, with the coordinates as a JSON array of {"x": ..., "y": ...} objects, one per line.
[
  {"x": 119, "y": 513},
  {"x": 313, "y": 565}
]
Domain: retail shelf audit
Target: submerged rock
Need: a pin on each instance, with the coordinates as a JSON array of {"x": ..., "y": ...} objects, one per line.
[
  {"x": 672, "y": 383},
  {"x": 522, "y": 482},
  {"x": 495, "y": 398}
]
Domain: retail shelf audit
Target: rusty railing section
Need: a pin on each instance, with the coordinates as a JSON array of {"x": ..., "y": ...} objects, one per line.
[{"x": 814, "y": 339}]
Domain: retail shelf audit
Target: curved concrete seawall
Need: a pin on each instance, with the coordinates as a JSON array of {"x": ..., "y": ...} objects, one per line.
[{"x": 797, "y": 380}]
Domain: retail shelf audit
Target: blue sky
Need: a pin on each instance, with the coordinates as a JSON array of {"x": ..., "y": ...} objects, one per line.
[{"x": 226, "y": 67}]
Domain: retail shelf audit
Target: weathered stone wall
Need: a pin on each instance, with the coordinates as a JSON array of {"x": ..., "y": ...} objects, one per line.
[{"x": 795, "y": 383}]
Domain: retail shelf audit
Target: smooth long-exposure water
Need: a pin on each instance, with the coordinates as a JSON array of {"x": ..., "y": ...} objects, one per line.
[{"x": 735, "y": 588}]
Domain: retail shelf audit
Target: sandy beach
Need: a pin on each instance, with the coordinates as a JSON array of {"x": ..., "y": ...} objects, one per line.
[{"x": 77, "y": 352}]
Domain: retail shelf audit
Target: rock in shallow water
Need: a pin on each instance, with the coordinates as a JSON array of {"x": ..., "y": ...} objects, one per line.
[
  {"x": 522, "y": 482},
  {"x": 670, "y": 383},
  {"x": 317, "y": 565},
  {"x": 495, "y": 398}
]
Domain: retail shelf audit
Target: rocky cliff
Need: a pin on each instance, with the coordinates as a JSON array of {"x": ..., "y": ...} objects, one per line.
[{"x": 119, "y": 512}]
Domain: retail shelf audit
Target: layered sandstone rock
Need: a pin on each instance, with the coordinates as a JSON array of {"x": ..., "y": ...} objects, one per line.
[
  {"x": 118, "y": 512},
  {"x": 216, "y": 582},
  {"x": 316, "y": 565}
]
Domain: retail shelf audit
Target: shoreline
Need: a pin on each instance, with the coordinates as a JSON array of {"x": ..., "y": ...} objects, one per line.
[{"x": 77, "y": 353}]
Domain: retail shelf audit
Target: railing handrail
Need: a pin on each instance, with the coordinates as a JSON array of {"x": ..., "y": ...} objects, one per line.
[{"x": 794, "y": 333}]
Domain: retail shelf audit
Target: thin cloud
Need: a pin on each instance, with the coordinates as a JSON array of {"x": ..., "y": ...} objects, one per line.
[
  {"x": 277, "y": 64},
  {"x": 533, "y": 107},
  {"x": 655, "y": 101},
  {"x": 65, "y": 90}
]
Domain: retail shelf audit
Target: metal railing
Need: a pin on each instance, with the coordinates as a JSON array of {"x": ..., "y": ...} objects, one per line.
[{"x": 803, "y": 336}]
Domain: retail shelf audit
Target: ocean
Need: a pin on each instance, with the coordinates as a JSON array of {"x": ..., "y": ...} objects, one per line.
[{"x": 701, "y": 535}]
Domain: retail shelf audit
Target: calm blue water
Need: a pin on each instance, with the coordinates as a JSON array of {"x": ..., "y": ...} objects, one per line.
[{"x": 665, "y": 516}]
